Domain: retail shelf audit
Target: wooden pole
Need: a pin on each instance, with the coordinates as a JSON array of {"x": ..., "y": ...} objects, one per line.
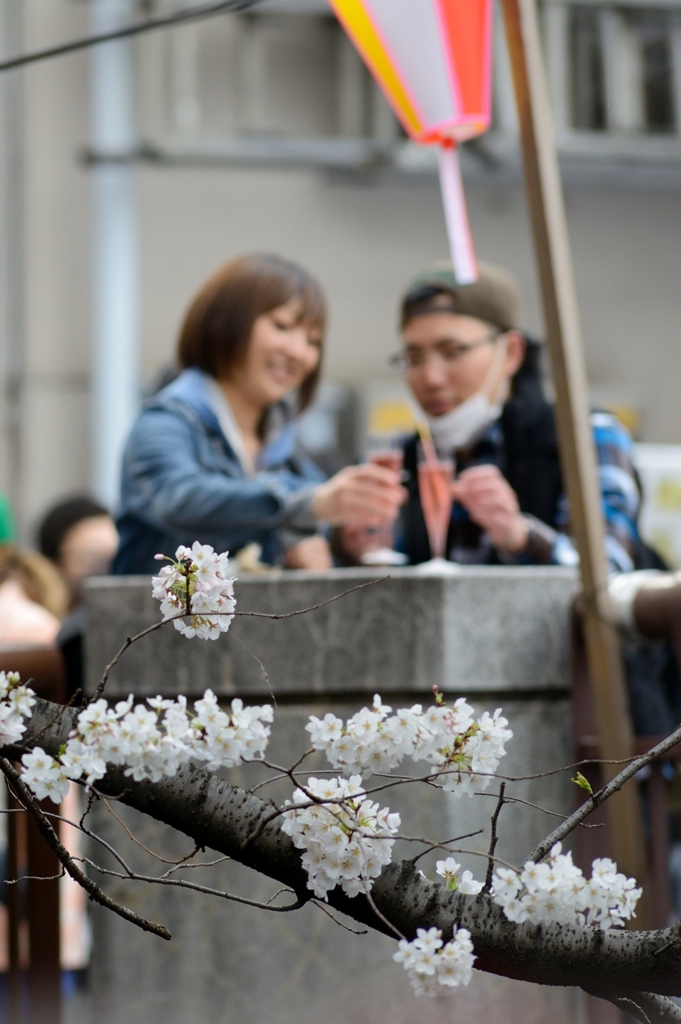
[{"x": 547, "y": 211}]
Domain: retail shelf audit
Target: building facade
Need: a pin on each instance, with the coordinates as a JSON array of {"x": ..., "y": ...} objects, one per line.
[{"x": 262, "y": 131}]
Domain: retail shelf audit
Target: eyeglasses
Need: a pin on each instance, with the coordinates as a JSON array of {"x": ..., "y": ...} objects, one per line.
[{"x": 447, "y": 352}]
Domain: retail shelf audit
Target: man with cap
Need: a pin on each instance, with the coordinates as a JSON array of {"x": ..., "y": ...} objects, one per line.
[{"x": 477, "y": 378}]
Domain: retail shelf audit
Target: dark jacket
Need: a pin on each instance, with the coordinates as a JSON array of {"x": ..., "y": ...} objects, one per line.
[{"x": 528, "y": 459}]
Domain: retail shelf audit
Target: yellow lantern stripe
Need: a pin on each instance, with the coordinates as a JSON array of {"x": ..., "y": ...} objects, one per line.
[{"x": 361, "y": 29}]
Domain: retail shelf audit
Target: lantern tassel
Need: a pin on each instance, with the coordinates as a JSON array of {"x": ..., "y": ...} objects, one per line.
[{"x": 456, "y": 216}]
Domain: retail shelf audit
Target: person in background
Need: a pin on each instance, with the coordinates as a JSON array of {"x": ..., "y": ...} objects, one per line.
[
  {"x": 212, "y": 456},
  {"x": 477, "y": 378},
  {"x": 8, "y": 530},
  {"x": 33, "y": 598},
  {"x": 79, "y": 538}
]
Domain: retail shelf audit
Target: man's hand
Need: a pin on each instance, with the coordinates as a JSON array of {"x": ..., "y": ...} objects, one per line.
[
  {"x": 363, "y": 496},
  {"x": 312, "y": 553},
  {"x": 492, "y": 504}
]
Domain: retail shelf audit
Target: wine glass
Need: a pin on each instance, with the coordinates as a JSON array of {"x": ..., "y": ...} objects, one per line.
[
  {"x": 435, "y": 478},
  {"x": 384, "y": 449}
]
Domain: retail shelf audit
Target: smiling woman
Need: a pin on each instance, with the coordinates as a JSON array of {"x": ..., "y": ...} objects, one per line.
[{"x": 212, "y": 457}]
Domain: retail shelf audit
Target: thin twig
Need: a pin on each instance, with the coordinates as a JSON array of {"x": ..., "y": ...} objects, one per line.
[
  {"x": 494, "y": 838},
  {"x": 313, "y": 607},
  {"x": 268, "y": 782},
  {"x": 445, "y": 844},
  {"x": 91, "y": 799},
  {"x": 265, "y": 676},
  {"x": 55, "y": 718},
  {"x": 146, "y": 849},
  {"x": 48, "y": 833},
  {"x": 201, "y": 864},
  {"x": 130, "y": 640},
  {"x": 629, "y": 1006},
  {"x": 353, "y": 931},
  {"x": 430, "y": 843},
  {"x": 382, "y": 917},
  {"x": 107, "y": 846},
  {"x": 602, "y": 795},
  {"x": 182, "y": 883},
  {"x": 264, "y": 822},
  {"x": 538, "y": 807},
  {"x": 35, "y": 878}
]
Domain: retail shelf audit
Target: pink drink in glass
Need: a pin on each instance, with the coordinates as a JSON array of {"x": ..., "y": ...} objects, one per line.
[
  {"x": 435, "y": 478},
  {"x": 385, "y": 450},
  {"x": 390, "y": 458}
]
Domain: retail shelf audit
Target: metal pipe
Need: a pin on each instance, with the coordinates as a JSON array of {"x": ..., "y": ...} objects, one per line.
[{"x": 115, "y": 343}]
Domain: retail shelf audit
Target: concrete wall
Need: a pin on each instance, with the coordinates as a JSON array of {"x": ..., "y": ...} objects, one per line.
[{"x": 363, "y": 236}]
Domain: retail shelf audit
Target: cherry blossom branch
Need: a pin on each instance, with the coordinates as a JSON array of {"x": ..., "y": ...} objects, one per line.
[
  {"x": 26, "y": 798},
  {"x": 603, "y": 794},
  {"x": 216, "y": 815}
]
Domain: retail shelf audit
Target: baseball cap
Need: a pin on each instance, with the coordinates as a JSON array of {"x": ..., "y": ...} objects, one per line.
[{"x": 493, "y": 297}]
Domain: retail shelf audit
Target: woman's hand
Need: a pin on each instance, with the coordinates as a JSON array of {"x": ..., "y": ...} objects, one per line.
[
  {"x": 492, "y": 503},
  {"x": 363, "y": 496},
  {"x": 312, "y": 553}
]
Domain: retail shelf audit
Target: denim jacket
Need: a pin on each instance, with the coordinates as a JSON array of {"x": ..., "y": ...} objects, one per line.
[{"x": 183, "y": 482}]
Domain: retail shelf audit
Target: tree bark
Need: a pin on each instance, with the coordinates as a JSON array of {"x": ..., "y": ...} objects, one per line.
[{"x": 637, "y": 967}]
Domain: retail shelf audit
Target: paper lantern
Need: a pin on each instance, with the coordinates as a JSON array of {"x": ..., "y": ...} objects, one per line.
[{"x": 432, "y": 59}]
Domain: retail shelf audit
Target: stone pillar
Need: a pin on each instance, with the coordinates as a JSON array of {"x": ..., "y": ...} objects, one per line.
[{"x": 499, "y": 637}]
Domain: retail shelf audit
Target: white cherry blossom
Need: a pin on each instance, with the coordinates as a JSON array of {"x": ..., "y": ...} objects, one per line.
[
  {"x": 197, "y": 583},
  {"x": 151, "y": 741},
  {"x": 430, "y": 962},
  {"x": 461, "y": 751},
  {"x": 449, "y": 870},
  {"x": 555, "y": 890},
  {"x": 45, "y": 776},
  {"x": 16, "y": 701},
  {"x": 346, "y": 837}
]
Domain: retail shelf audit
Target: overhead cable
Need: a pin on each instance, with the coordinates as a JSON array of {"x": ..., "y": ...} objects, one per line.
[{"x": 180, "y": 17}]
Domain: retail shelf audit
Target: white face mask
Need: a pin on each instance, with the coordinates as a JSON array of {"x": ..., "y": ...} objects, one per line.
[{"x": 467, "y": 422}]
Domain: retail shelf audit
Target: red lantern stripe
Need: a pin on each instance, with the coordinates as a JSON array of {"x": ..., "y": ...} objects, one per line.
[{"x": 468, "y": 30}]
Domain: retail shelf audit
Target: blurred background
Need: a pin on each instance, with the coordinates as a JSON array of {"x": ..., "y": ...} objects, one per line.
[{"x": 128, "y": 173}]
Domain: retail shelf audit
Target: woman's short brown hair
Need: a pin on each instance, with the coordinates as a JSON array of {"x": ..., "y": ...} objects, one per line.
[{"x": 218, "y": 324}]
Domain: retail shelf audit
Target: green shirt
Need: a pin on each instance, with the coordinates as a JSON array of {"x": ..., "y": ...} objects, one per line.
[{"x": 8, "y": 530}]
